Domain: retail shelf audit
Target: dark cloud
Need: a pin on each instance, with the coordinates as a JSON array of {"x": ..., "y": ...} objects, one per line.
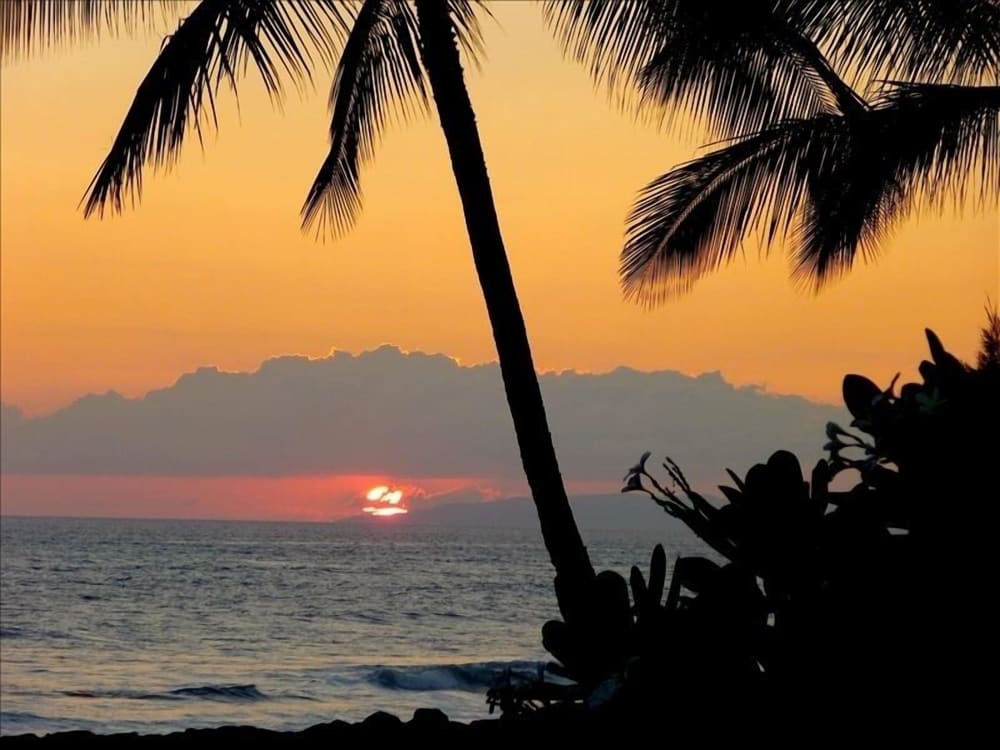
[{"x": 387, "y": 411}]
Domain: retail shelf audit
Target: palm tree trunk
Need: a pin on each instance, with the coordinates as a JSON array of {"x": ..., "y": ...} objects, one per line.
[{"x": 562, "y": 538}]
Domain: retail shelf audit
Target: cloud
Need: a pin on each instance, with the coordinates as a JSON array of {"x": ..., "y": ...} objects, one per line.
[{"x": 387, "y": 412}]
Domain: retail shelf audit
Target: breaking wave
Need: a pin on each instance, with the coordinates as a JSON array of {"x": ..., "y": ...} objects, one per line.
[{"x": 468, "y": 677}]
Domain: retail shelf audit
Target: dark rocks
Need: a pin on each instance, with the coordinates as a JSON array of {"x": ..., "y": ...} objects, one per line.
[
  {"x": 381, "y": 721},
  {"x": 379, "y": 728},
  {"x": 429, "y": 719}
]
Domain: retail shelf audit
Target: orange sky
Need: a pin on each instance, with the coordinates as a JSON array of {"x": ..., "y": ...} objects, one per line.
[{"x": 212, "y": 267}]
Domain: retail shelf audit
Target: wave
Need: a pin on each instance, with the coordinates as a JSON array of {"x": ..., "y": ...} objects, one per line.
[
  {"x": 21, "y": 717},
  {"x": 23, "y": 722},
  {"x": 221, "y": 692},
  {"x": 203, "y": 692},
  {"x": 464, "y": 677},
  {"x": 11, "y": 631}
]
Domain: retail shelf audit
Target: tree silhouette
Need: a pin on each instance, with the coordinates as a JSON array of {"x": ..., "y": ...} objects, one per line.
[
  {"x": 804, "y": 157},
  {"x": 989, "y": 341},
  {"x": 392, "y": 57}
]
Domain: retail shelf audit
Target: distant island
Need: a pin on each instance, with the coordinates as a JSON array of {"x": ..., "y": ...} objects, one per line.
[{"x": 594, "y": 512}]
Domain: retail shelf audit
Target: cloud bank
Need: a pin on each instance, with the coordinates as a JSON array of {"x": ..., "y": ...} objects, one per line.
[{"x": 411, "y": 414}]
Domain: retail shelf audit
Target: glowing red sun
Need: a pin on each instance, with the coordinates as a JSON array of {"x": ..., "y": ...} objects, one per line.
[{"x": 384, "y": 502}]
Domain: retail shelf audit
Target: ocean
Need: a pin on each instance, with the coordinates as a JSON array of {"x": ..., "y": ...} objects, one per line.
[{"x": 157, "y": 626}]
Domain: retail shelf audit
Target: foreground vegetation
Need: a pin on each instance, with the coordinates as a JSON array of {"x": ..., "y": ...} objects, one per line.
[{"x": 862, "y": 584}]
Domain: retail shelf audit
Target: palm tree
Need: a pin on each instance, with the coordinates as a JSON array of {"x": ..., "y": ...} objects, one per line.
[
  {"x": 393, "y": 55},
  {"x": 803, "y": 156}
]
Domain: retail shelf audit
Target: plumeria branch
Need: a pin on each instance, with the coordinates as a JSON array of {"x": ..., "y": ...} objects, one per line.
[
  {"x": 680, "y": 500},
  {"x": 840, "y": 440}
]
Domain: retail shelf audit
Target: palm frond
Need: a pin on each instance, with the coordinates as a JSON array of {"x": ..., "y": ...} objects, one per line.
[
  {"x": 727, "y": 63},
  {"x": 731, "y": 63},
  {"x": 830, "y": 186},
  {"x": 379, "y": 77},
  {"x": 921, "y": 144},
  {"x": 614, "y": 40},
  {"x": 693, "y": 219},
  {"x": 212, "y": 45},
  {"x": 28, "y": 27},
  {"x": 465, "y": 20},
  {"x": 953, "y": 41}
]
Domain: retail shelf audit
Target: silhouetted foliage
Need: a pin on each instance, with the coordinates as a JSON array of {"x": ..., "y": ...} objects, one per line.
[
  {"x": 834, "y": 120},
  {"x": 873, "y": 592},
  {"x": 989, "y": 347}
]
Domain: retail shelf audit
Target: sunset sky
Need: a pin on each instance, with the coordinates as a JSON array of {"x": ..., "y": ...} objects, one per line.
[{"x": 212, "y": 268}]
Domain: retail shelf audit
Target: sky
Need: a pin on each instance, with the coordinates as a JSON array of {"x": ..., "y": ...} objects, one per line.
[
  {"x": 305, "y": 438},
  {"x": 212, "y": 269}
]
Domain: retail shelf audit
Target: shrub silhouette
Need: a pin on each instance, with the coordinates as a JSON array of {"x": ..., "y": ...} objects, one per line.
[{"x": 871, "y": 596}]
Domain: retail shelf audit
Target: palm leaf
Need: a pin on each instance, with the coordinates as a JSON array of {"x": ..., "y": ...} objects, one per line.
[
  {"x": 922, "y": 144},
  {"x": 614, "y": 40},
  {"x": 213, "y": 44},
  {"x": 693, "y": 219},
  {"x": 379, "y": 78},
  {"x": 733, "y": 65},
  {"x": 465, "y": 20},
  {"x": 379, "y": 74},
  {"x": 28, "y": 27},
  {"x": 727, "y": 63},
  {"x": 830, "y": 185},
  {"x": 956, "y": 41}
]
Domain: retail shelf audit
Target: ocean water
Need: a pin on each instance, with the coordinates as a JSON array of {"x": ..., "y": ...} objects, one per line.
[{"x": 155, "y": 626}]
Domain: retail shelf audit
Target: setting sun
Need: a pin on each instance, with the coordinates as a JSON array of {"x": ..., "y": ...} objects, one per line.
[{"x": 389, "y": 502}]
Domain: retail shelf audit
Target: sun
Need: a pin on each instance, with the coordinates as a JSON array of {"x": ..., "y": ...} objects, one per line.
[
  {"x": 384, "y": 501},
  {"x": 375, "y": 493}
]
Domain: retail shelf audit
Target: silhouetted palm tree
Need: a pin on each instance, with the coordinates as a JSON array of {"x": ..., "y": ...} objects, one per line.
[
  {"x": 393, "y": 55},
  {"x": 804, "y": 157}
]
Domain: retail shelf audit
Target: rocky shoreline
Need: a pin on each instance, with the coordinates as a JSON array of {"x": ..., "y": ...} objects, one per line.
[
  {"x": 745, "y": 722},
  {"x": 426, "y": 725}
]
